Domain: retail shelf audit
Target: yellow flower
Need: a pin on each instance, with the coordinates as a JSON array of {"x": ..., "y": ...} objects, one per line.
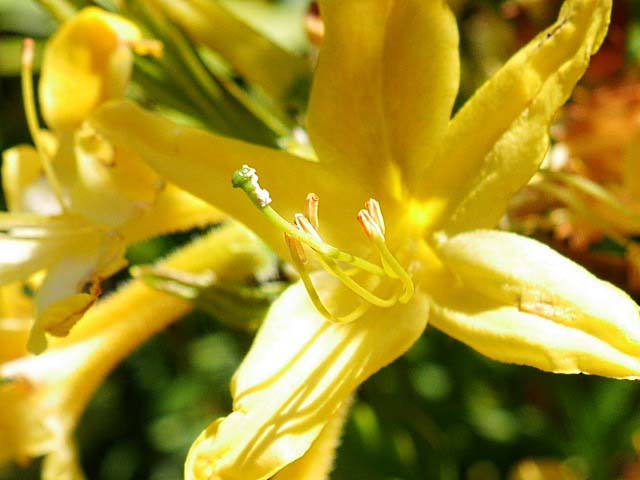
[
  {"x": 91, "y": 199},
  {"x": 379, "y": 122},
  {"x": 42, "y": 397},
  {"x": 91, "y": 50},
  {"x": 87, "y": 62},
  {"x": 16, "y": 316}
]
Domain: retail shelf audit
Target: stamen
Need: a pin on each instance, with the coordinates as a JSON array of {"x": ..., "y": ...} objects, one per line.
[
  {"x": 372, "y": 230},
  {"x": 304, "y": 224},
  {"x": 299, "y": 249},
  {"x": 332, "y": 267},
  {"x": 314, "y": 296},
  {"x": 247, "y": 180},
  {"x": 373, "y": 207},
  {"x": 311, "y": 210},
  {"x": 32, "y": 118},
  {"x": 304, "y": 231}
]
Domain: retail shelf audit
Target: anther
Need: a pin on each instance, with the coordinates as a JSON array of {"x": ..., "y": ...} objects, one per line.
[
  {"x": 370, "y": 226},
  {"x": 311, "y": 210},
  {"x": 373, "y": 228},
  {"x": 296, "y": 249},
  {"x": 28, "y": 49},
  {"x": 373, "y": 207},
  {"x": 306, "y": 226}
]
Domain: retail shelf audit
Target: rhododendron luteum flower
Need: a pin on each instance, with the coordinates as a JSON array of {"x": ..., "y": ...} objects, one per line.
[
  {"x": 379, "y": 122},
  {"x": 42, "y": 397},
  {"x": 91, "y": 199}
]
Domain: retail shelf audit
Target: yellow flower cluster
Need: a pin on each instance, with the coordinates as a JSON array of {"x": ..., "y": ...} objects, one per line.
[{"x": 388, "y": 223}]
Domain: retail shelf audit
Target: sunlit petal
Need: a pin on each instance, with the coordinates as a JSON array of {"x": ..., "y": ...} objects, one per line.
[
  {"x": 407, "y": 52},
  {"x": 297, "y": 375},
  {"x": 107, "y": 185},
  {"x": 494, "y": 158},
  {"x": 519, "y": 301},
  {"x": 61, "y": 299},
  {"x": 21, "y": 167},
  {"x": 63, "y": 463},
  {"x": 203, "y": 163},
  {"x": 42, "y": 397},
  {"x": 317, "y": 463},
  {"x": 86, "y": 62},
  {"x": 173, "y": 211}
]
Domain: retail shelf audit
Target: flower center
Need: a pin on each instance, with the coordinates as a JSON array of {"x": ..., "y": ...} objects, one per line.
[{"x": 304, "y": 232}]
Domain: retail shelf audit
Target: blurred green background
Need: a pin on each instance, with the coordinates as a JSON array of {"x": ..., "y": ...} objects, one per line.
[{"x": 440, "y": 412}]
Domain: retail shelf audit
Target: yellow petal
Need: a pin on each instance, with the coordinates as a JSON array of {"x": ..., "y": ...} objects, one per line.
[
  {"x": 60, "y": 301},
  {"x": 63, "y": 463},
  {"x": 14, "y": 303},
  {"x": 105, "y": 184},
  {"x": 253, "y": 55},
  {"x": 530, "y": 305},
  {"x": 497, "y": 141},
  {"x": 297, "y": 375},
  {"x": 16, "y": 317},
  {"x": 33, "y": 242},
  {"x": 21, "y": 167},
  {"x": 86, "y": 62},
  {"x": 386, "y": 80},
  {"x": 173, "y": 211},
  {"x": 317, "y": 463},
  {"x": 42, "y": 397},
  {"x": 421, "y": 76},
  {"x": 203, "y": 163}
]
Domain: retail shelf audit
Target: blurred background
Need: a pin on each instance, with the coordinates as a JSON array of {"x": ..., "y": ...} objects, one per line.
[{"x": 441, "y": 411}]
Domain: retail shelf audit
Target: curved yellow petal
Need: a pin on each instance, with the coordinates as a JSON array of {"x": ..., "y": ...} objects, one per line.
[
  {"x": 173, "y": 211},
  {"x": 384, "y": 87},
  {"x": 16, "y": 317},
  {"x": 42, "y": 397},
  {"x": 530, "y": 305},
  {"x": 60, "y": 300},
  {"x": 297, "y": 375},
  {"x": 21, "y": 167},
  {"x": 86, "y": 62},
  {"x": 203, "y": 163},
  {"x": 63, "y": 463},
  {"x": 317, "y": 463},
  {"x": 507, "y": 334},
  {"x": 29, "y": 243},
  {"x": 108, "y": 185},
  {"x": 496, "y": 142}
]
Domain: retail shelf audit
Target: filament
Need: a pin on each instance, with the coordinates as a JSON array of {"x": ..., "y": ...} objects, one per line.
[
  {"x": 304, "y": 232},
  {"x": 32, "y": 118}
]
